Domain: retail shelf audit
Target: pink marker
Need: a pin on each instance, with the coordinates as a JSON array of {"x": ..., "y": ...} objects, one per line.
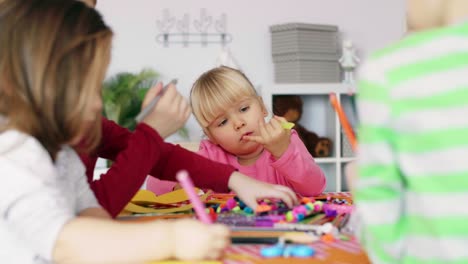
[{"x": 186, "y": 182}]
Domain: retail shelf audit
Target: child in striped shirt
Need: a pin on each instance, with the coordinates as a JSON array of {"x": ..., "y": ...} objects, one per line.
[{"x": 413, "y": 172}]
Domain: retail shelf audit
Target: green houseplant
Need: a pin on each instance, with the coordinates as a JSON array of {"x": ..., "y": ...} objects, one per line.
[{"x": 123, "y": 95}]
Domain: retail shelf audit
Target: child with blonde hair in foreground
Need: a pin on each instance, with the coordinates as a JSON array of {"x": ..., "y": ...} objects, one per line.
[
  {"x": 53, "y": 57},
  {"x": 232, "y": 115}
]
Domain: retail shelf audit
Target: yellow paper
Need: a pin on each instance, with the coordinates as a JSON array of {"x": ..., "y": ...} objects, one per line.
[
  {"x": 147, "y": 197},
  {"x": 134, "y": 208},
  {"x": 287, "y": 125}
]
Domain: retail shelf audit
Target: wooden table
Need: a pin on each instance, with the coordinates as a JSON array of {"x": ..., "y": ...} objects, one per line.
[{"x": 336, "y": 252}]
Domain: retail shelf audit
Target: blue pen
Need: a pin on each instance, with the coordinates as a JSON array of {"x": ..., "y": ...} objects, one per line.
[{"x": 153, "y": 102}]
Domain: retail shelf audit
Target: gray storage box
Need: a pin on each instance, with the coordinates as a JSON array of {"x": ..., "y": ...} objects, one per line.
[
  {"x": 306, "y": 68},
  {"x": 304, "y": 38},
  {"x": 305, "y": 53}
]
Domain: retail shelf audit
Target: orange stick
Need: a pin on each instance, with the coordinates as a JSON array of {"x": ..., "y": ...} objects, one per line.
[{"x": 344, "y": 121}]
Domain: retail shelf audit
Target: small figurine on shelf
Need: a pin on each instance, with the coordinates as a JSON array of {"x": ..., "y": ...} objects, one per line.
[
  {"x": 348, "y": 61},
  {"x": 226, "y": 58}
]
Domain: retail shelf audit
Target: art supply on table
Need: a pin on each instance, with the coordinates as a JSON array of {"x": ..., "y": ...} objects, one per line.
[
  {"x": 242, "y": 220},
  {"x": 344, "y": 221},
  {"x": 270, "y": 236},
  {"x": 186, "y": 183},
  {"x": 255, "y": 236},
  {"x": 147, "y": 197},
  {"x": 283, "y": 250},
  {"x": 134, "y": 208},
  {"x": 254, "y": 240},
  {"x": 153, "y": 103},
  {"x": 146, "y": 202},
  {"x": 343, "y": 120},
  {"x": 233, "y": 219},
  {"x": 301, "y": 237},
  {"x": 152, "y": 217}
]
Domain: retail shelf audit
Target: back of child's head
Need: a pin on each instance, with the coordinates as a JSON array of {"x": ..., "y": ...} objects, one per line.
[
  {"x": 424, "y": 14},
  {"x": 53, "y": 58},
  {"x": 217, "y": 89},
  {"x": 91, "y": 3}
]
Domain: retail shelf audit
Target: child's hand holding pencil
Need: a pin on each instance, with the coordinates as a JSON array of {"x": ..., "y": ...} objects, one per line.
[{"x": 165, "y": 110}]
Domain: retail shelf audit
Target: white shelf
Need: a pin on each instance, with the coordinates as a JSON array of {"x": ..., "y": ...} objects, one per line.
[
  {"x": 309, "y": 88},
  {"x": 348, "y": 159},
  {"x": 320, "y": 117},
  {"x": 325, "y": 160},
  {"x": 334, "y": 159}
]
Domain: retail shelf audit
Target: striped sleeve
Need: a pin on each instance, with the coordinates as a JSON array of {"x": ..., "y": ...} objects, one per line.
[
  {"x": 413, "y": 169},
  {"x": 378, "y": 190}
]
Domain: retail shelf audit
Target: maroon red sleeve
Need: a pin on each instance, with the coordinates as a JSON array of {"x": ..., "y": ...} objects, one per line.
[
  {"x": 141, "y": 153},
  {"x": 204, "y": 172},
  {"x": 128, "y": 172}
]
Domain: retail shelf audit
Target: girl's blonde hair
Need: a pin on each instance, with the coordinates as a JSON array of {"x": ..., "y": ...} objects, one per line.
[
  {"x": 53, "y": 59},
  {"x": 217, "y": 89}
]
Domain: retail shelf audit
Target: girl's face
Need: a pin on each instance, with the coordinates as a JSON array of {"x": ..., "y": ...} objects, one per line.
[{"x": 235, "y": 122}]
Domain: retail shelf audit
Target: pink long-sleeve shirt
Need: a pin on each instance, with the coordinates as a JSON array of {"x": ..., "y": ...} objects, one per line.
[{"x": 296, "y": 168}]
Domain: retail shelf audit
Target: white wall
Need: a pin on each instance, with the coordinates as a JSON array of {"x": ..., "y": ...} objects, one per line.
[{"x": 371, "y": 24}]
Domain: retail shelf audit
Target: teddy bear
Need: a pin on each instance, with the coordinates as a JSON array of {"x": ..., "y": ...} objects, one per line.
[{"x": 290, "y": 107}]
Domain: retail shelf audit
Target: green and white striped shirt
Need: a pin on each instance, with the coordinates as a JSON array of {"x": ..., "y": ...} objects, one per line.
[{"x": 412, "y": 189}]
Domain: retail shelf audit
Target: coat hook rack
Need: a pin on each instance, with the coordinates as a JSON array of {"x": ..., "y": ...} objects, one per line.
[{"x": 202, "y": 25}]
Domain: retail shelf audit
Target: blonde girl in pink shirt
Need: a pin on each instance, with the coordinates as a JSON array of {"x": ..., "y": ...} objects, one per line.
[{"x": 232, "y": 116}]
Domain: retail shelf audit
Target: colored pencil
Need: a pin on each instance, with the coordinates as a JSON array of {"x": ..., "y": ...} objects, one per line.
[
  {"x": 153, "y": 103},
  {"x": 186, "y": 183},
  {"x": 343, "y": 120}
]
